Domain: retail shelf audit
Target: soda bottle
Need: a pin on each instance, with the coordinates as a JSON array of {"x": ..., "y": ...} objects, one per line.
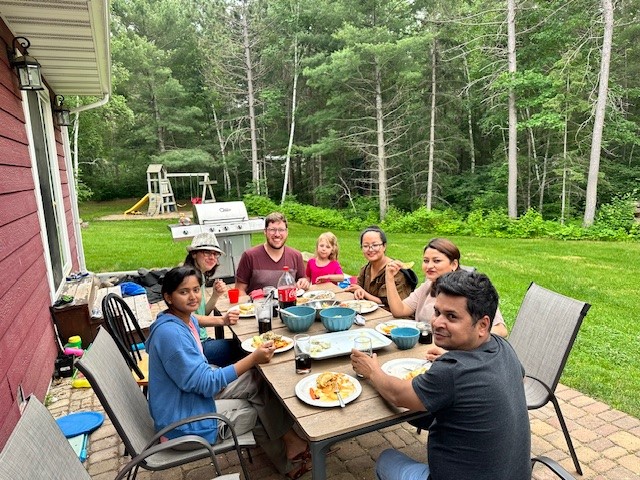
[{"x": 286, "y": 289}]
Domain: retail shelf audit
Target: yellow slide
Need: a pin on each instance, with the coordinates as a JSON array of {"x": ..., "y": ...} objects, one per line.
[{"x": 137, "y": 206}]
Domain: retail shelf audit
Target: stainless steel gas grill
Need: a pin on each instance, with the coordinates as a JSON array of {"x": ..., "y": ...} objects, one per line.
[{"x": 231, "y": 225}]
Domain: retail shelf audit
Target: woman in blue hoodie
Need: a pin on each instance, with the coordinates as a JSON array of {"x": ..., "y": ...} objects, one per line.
[{"x": 182, "y": 383}]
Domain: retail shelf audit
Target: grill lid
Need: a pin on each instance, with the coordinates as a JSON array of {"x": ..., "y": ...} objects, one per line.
[{"x": 220, "y": 212}]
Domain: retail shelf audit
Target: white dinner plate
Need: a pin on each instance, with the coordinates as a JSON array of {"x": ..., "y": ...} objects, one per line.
[
  {"x": 247, "y": 345},
  {"x": 401, "y": 367},
  {"x": 250, "y": 312},
  {"x": 366, "y": 306},
  {"x": 385, "y": 327},
  {"x": 336, "y": 344},
  {"x": 319, "y": 295},
  {"x": 303, "y": 386}
]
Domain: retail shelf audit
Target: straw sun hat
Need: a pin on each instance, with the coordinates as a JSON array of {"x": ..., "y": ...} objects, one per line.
[{"x": 205, "y": 241}]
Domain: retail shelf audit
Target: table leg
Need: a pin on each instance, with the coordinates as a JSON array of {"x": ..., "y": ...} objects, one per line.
[{"x": 319, "y": 458}]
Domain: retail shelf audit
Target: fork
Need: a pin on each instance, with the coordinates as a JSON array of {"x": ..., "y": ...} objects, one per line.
[{"x": 336, "y": 390}]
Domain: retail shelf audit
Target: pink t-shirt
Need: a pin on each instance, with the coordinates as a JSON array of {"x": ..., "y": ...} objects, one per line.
[{"x": 314, "y": 271}]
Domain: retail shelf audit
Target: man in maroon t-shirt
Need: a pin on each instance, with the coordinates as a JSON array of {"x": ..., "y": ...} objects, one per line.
[{"x": 262, "y": 266}]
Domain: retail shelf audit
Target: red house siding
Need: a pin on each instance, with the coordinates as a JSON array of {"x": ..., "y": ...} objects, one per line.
[{"x": 27, "y": 341}]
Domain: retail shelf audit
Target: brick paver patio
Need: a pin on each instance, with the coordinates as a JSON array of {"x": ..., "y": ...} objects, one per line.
[{"x": 607, "y": 442}]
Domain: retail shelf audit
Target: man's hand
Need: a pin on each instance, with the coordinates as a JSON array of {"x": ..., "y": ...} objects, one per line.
[
  {"x": 363, "y": 364},
  {"x": 434, "y": 352},
  {"x": 303, "y": 283}
]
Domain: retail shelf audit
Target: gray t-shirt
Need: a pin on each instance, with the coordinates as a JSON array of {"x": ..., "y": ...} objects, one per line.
[{"x": 481, "y": 427}]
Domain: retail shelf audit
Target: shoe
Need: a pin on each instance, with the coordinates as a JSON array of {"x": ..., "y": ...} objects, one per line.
[
  {"x": 301, "y": 470},
  {"x": 62, "y": 301},
  {"x": 302, "y": 456}
]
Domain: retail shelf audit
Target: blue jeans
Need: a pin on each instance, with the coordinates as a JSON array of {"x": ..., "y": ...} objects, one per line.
[
  {"x": 394, "y": 465},
  {"x": 221, "y": 352}
]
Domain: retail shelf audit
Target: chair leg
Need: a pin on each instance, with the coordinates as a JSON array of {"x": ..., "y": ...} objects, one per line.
[{"x": 565, "y": 431}]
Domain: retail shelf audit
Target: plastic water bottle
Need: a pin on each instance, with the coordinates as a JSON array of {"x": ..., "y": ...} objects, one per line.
[{"x": 286, "y": 289}]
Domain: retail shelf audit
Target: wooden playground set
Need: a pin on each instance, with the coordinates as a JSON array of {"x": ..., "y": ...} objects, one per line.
[{"x": 160, "y": 197}]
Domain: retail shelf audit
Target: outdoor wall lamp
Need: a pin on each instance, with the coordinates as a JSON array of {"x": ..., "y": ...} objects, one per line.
[
  {"x": 27, "y": 67},
  {"x": 61, "y": 115}
]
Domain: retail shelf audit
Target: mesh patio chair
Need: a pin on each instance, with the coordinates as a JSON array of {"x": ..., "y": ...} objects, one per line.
[
  {"x": 554, "y": 466},
  {"x": 37, "y": 450},
  {"x": 127, "y": 407},
  {"x": 543, "y": 335},
  {"x": 123, "y": 326}
]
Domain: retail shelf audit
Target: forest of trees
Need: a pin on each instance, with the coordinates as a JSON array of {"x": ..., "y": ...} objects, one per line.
[{"x": 466, "y": 105}]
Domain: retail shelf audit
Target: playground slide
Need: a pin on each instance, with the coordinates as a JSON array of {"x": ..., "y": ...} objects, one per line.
[{"x": 137, "y": 206}]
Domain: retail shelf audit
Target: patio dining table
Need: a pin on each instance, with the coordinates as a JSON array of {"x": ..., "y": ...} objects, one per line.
[{"x": 324, "y": 426}]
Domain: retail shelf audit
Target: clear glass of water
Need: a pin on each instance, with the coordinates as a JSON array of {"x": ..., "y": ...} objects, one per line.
[{"x": 363, "y": 344}]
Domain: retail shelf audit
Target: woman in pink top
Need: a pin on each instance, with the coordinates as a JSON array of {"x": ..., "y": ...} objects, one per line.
[
  {"x": 324, "y": 267},
  {"x": 439, "y": 257}
]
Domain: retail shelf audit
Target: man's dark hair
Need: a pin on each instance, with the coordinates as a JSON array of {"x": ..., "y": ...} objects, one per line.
[{"x": 481, "y": 295}]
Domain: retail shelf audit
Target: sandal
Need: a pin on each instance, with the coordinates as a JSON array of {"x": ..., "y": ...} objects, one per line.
[
  {"x": 302, "y": 456},
  {"x": 301, "y": 470}
]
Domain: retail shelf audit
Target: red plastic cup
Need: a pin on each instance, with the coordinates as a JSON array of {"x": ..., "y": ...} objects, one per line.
[{"x": 234, "y": 295}]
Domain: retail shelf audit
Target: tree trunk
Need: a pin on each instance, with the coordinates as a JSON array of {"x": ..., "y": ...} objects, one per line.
[
  {"x": 255, "y": 167},
  {"x": 432, "y": 125},
  {"x": 598, "y": 123},
  {"x": 156, "y": 115},
  {"x": 512, "y": 187},
  {"x": 472, "y": 147},
  {"x": 223, "y": 153},
  {"x": 292, "y": 130},
  {"x": 382, "y": 160}
]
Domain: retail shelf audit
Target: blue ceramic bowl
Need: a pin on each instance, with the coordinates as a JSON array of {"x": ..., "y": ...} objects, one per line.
[
  {"x": 337, "y": 319},
  {"x": 298, "y": 319},
  {"x": 405, "y": 337}
]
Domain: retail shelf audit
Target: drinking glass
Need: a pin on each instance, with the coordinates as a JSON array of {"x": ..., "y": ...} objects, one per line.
[
  {"x": 263, "y": 314},
  {"x": 363, "y": 344},
  {"x": 302, "y": 349}
]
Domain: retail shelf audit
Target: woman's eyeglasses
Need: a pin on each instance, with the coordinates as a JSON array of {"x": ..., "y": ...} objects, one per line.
[
  {"x": 374, "y": 247},
  {"x": 210, "y": 253}
]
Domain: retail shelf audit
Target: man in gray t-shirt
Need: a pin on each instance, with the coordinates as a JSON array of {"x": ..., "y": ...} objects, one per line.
[{"x": 474, "y": 391}]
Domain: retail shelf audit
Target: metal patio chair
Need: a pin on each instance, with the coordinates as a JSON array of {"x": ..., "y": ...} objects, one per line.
[
  {"x": 127, "y": 407},
  {"x": 37, "y": 450},
  {"x": 542, "y": 336},
  {"x": 554, "y": 466},
  {"x": 123, "y": 326}
]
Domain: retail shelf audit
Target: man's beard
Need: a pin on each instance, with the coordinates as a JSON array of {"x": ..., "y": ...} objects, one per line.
[{"x": 274, "y": 247}]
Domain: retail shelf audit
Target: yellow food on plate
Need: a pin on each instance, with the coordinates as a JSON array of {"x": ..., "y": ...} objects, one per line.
[
  {"x": 278, "y": 341},
  {"x": 386, "y": 328},
  {"x": 415, "y": 372},
  {"x": 302, "y": 300},
  {"x": 326, "y": 385},
  {"x": 246, "y": 309}
]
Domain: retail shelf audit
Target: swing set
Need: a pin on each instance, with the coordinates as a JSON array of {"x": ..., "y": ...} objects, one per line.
[
  {"x": 195, "y": 194},
  {"x": 160, "y": 191}
]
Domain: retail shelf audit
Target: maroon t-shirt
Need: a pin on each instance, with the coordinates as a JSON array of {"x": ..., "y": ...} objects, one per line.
[{"x": 258, "y": 270}]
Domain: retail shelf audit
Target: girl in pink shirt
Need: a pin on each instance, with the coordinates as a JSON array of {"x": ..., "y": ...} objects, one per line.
[{"x": 324, "y": 267}]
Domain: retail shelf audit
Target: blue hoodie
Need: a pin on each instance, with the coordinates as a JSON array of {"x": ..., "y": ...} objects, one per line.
[{"x": 181, "y": 382}]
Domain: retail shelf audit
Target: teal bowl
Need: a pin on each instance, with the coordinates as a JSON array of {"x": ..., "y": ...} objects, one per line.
[
  {"x": 298, "y": 319},
  {"x": 405, "y": 337},
  {"x": 337, "y": 319}
]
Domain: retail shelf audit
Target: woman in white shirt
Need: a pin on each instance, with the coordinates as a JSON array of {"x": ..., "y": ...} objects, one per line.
[{"x": 439, "y": 257}]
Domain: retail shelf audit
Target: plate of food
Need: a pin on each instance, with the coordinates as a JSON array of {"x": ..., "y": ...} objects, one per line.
[
  {"x": 281, "y": 342},
  {"x": 319, "y": 295},
  {"x": 360, "y": 306},
  {"x": 319, "y": 389},
  {"x": 406, "y": 368},
  {"x": 246, "y": 310},
  {"x": 386, "y": 327}
]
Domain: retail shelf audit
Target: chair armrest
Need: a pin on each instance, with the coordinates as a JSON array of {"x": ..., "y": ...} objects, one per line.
[
  {"x": 546, "y": 387},
  {"x": 554, "y": 466},
  {"x": 194, "y": 418},
  {"x": 147, "y": 452}
]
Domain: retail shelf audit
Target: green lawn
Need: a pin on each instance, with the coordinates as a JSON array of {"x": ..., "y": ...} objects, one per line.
[{"x": 604, "y": 361}]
